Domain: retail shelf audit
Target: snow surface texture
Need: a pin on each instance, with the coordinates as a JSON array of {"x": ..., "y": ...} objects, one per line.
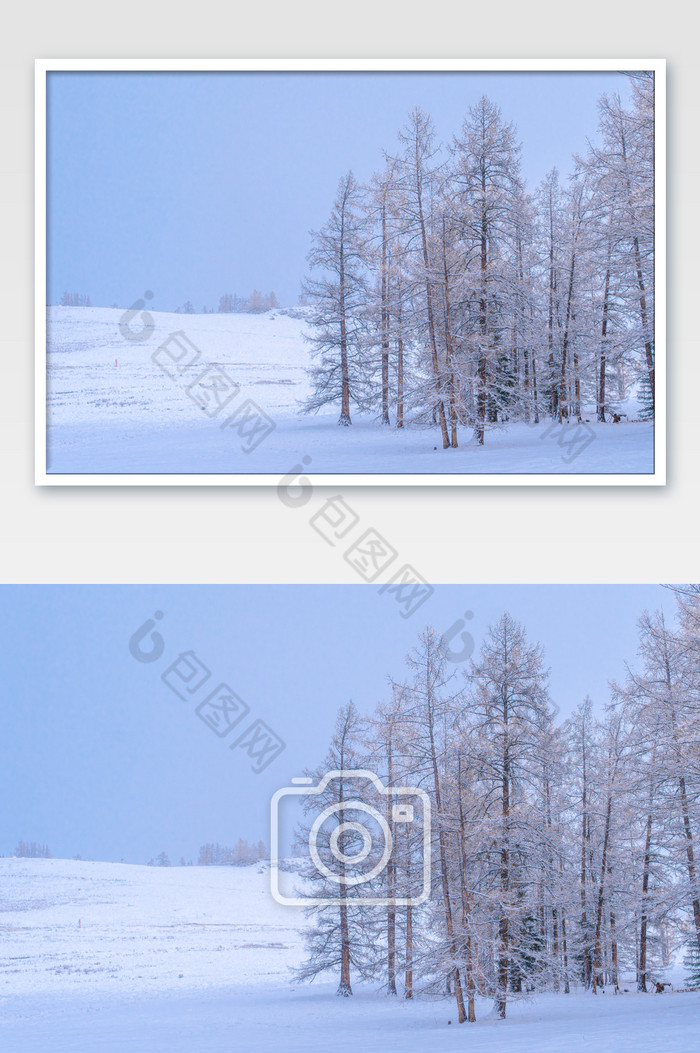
[
  {"x": 108, "y": 957},
  {"x": 112, "y": 410}
]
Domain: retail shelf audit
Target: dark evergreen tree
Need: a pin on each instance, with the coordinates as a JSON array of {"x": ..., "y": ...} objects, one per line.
[{"x": 692, "y": 965}]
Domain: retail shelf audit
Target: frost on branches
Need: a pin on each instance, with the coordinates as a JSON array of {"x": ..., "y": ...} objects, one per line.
[
  {"x": 562, "y": 854},
  {"x": 447, "y": 295}
]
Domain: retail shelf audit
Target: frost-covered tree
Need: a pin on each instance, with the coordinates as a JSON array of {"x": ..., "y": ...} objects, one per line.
[
  {"x": 339, "y": 251},
  {"x": 416, "y": 177},
  {"x": 431, "y": 703},
  {"x": 510, "y": 715},
  {"x": 622, "y": 170},
  {"x": 490, "y": 199},
  {"x": 468, "y": 302},
  {"x": 563, "y": 856},
  {"x": 337, "y": 939}
]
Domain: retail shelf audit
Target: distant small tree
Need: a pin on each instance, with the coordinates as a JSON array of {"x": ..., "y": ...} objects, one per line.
[
  {"x": 206, "y": 855},
  {"x": 162, "y": 860},
  {"x": 256, "y": 303}
]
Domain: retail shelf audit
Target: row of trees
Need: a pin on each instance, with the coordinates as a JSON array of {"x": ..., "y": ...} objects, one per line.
[
  {"x": 563, "y": 854},
  {"x": 451, "y": 296},
  {"x": 32, "y": 850},
  {"x": 256, "y": 303},
  {"x": 75, "y": 300},
  {"x": 229, "y": 303},
  {"x": 243, "y": 855}
]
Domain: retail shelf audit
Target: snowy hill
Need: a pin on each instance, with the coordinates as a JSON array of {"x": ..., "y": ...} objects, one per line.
[
  {"x": 95, "y": 374},
  {"x": 70, "y": 924},
  {"x": 105, "y": 957},
  {"x": 112, "y": 409}
]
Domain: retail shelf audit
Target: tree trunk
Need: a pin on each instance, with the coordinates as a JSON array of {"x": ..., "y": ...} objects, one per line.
[
  {"x": 503, "y": 923},
  {"x": 569, "y": 306},
  {"x": 585, "y": 838},
  {"x": 598, "y": 952},
  {"x": 577, "y": 387},
  {"x": 466, "y": 902},
  {"x": 614, "y": 975},
  {"x": 408, "y": 982},
  {"x": 567, "y": 988},
  {"x": 550, "y": 309},
  {"x": 642, "y": 966},
  {"x": 444, "y": 879},
  {"x": 534, "y": 388},
  {"x": 399, "y": 359},
  {"x": 391, "y": 882},
  {"x": 603, "y": 349},
  {"x": 481, "y": 397},
  {"x": 344, "y": 988},
  {"x": 555, "y": 912},
  {"x": 385, "y": 317},
  {"x": 439, "y": 404},
  {"x": 449, "y": 349},
  {"x": 344, "y": 419}
]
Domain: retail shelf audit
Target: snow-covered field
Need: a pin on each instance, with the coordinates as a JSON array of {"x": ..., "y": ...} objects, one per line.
[
  {"x": 108, "y": 957},
  {"x": 112, "y": 410},
  {"x": 70, "y": 924}
]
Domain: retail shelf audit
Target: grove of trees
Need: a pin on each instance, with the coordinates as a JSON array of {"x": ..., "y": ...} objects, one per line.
[
  {"x": 564, "y": 854},
  {"x": 244, "y": 854},
  {"x": 229, "y": 303},
  {"x": 32, "y": 850},
  {"x": 75, "y": 300},
  {"x": 446, "y": 294},
  {"x": 256, "y": 303}
]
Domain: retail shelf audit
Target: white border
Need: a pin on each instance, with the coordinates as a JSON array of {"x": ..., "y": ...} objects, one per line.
[{"x": 44, "y": 66}]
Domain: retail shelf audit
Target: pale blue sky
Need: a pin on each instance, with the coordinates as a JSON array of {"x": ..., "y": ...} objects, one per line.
[
  {"x": 193, "y": 185},
  {"x": 101, "y": 758}
]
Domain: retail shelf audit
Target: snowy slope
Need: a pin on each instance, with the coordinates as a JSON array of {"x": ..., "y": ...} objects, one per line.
[
  {"x": 95, "y": 376},
  {"x": 111, "y": 409},
  {"x": 107, "y": 957},
  {"x": 73, "y": 924}
]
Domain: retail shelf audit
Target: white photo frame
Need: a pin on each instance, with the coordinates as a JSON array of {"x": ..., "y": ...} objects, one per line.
[{"x": 43, "y": 477}]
